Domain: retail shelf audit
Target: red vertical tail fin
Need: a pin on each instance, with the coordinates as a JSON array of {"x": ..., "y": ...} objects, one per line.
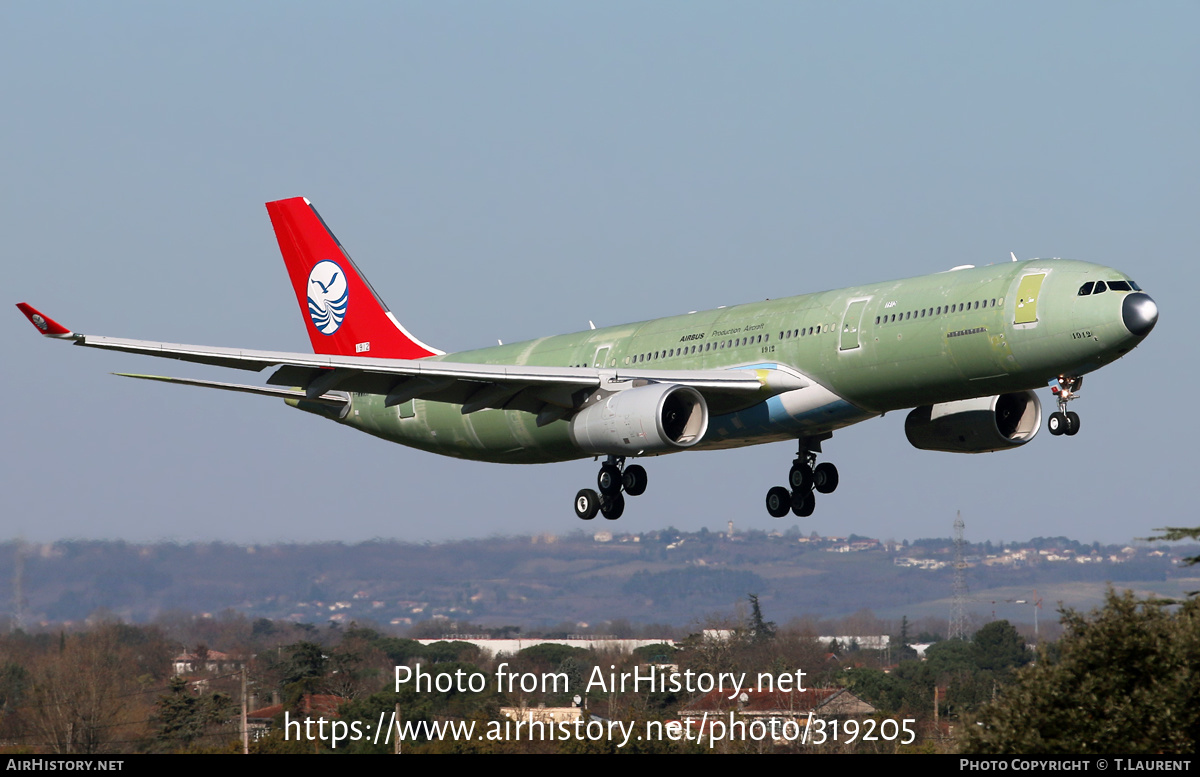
[{"x": 342, "y": 312}]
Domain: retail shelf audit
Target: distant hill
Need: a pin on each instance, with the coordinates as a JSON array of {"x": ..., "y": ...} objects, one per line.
[{"x": 664, "y": 577}]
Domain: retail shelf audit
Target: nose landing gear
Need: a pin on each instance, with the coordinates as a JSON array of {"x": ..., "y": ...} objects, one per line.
[
  {"x": 1063, "y": 422},
  {"x": 614, "y": 477},
  {"x": 804, "y": 477}
]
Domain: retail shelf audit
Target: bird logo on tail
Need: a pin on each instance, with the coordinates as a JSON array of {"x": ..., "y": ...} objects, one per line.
[{"x": 328, "y": 296}]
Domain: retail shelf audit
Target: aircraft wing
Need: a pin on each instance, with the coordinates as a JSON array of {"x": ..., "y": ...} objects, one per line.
[{"x": 549, "y": 392}]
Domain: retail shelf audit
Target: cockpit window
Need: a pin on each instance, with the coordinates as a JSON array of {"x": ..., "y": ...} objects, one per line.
[
  {"x": 1118, "y": 286},
  {"x": 1135, "y": 286},
  {"x": 1086, "y": 288},
  {"x": 1100, "y": 288}
]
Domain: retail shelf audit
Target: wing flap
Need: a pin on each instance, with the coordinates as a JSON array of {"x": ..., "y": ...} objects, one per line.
[{"x": 325, "y": 399}]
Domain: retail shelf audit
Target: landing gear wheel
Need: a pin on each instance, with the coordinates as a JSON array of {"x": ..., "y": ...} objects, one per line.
[
  {"x": 1064, "y": 422},
  {"x": 825, "y": 478},
  {"x": 779, "y": 501},
  {"x": 609, "y": 479},
  {"x": 634, "y": 479},
  {"x": 612, "y": 505},
  {"x": 587, "y": 504},
  {"x": 800, "y": 478},
  {"x": 803, "y": 503}
]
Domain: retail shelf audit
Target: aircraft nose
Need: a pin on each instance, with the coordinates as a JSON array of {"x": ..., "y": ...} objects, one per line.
[{"x": 1139, "y": 313}]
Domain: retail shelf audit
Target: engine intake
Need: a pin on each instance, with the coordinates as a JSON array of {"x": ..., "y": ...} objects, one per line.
[
  {"x": 655, "y": 418},
  {"x": 976, "y": 425}
]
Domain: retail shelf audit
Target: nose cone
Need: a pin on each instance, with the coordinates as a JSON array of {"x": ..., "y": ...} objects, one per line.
[{"x": 1139, "y": 313}]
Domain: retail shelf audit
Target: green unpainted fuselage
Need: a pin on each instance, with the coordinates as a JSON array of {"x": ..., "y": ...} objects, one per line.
[{"x": 869, "y": 349}]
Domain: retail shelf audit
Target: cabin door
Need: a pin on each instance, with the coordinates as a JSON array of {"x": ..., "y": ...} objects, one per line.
[{"x": 851, "y": 323}]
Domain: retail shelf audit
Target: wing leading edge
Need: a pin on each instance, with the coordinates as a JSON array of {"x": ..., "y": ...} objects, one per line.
[{"x": 549, "y": 392}]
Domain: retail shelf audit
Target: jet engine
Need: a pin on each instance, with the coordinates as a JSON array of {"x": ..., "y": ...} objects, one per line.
[
  {"x": 649, "y": 419},
  {"x": 976, "y": 425}
]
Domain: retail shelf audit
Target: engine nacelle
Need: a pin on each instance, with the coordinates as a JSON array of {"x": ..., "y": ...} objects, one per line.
[
  {"x": 655, "y": 418},
  {"x": 976, "y": 425}
]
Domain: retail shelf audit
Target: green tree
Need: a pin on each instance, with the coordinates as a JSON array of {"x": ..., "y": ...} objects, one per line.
[
  {"x": 999, "y": 647},
  {"x": 301, "y": 672},
  {"x": 760, "y": 630},
  {"x": 1124, "y": 679},
  {"x": 184, "y": 717},
  {"x": 426, "y": 703}
]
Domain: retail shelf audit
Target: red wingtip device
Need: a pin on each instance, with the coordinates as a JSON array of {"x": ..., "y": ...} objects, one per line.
[{"x": 44, "y": 323}]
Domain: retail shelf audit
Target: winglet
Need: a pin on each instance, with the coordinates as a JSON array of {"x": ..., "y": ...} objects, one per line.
[{"x": 44, "y": 323}]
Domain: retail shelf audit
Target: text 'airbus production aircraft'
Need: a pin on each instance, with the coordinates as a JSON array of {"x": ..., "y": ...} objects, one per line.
[{"x": 966, "y": 348}]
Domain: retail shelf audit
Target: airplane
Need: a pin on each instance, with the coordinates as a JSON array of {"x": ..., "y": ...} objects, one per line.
[{"x": 965, "y": 349}]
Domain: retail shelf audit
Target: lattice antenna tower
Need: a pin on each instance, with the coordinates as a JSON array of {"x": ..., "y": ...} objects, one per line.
[
  {"x": 18, "y": 621},
  {"x": 958, "y": 606}
]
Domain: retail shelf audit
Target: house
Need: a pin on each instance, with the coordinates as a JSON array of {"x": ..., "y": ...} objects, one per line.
[
  {"x": 312, "y": 706},
  {"x": 204, "y": 660},
  {"x": 546, "y": 715},
  {"x": 779, "y": 705}
]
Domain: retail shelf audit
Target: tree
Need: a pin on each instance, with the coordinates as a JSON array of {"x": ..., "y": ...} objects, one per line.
[
  {"x": 83, "y": 697},
  {"x": 184, "y": 717},
  {"x": 760, "y": 630},
  {"x": 1124, "y": 679},
  {"x": 999, "y": 647}
]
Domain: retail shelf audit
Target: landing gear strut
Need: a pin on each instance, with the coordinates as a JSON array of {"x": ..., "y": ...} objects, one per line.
[
  {"x": 804, "y": 477},
  {"x": 1063, "y": 422},
  {"x": 613, "y": 479}
]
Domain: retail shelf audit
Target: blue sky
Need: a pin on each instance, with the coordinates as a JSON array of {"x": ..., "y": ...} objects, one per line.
[{"x": 512, "y": 170}]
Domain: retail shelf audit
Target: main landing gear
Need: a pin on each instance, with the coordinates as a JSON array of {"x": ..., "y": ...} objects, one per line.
[
  {"x": 614, "y": 478},
  {"x": 805, "y": 477},
  {"x": 1063, "y": 422}
]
